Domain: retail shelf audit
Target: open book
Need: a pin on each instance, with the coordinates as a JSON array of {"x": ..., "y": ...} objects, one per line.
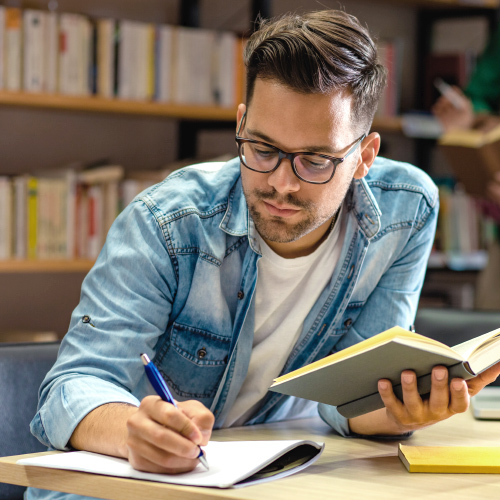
[
  {"x": 474, "y": 156},
  {"x": 348, "y": 379},
  {"x": 232, "y": 464}
]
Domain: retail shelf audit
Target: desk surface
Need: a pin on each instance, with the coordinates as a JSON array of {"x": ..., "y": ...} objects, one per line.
[{"x": 348, "y": 469}]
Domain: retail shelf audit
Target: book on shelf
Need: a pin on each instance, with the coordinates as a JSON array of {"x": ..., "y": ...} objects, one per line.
[
  {"x": 349, "y": 378},
  {"x": 13, "y": 48},
  {"x": 474, "y": 157},
  {"x": 77, "y": 56},
  {"x": 2, "y": 46},
  {"x": 390, "y": 55},
  {"x": 16, "y": 336},
  {"x": 451, "y": 459},
  {"x": 233, "y": 464},
  {"x": 6, "y": 216}
]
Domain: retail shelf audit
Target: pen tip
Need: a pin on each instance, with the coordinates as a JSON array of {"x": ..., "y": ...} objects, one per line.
[{"x": 203, "y": 459}]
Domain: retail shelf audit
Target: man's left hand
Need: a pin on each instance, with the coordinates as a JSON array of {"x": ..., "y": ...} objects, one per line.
[{"x": 445, "y": 400}]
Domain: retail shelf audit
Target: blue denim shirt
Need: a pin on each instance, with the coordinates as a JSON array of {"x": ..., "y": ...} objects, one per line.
[{"x": 176, "y": 279}]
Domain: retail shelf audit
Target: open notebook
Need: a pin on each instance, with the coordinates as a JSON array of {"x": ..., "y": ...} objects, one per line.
[{"x": 232, "y": 464}]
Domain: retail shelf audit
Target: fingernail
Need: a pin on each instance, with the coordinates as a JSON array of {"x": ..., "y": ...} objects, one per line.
[
  {"x": 195, "y": 438},
  {"x": 383, "y": 385},
  {"x": 195, "y": 453},
  {"x": 440, "y": 374},
  {"x": 408, "y": 378},
  {"x": 456, "y": 385}
]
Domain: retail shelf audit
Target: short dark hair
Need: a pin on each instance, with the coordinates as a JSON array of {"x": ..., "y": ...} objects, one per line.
[{"x": 318, "y": 52}]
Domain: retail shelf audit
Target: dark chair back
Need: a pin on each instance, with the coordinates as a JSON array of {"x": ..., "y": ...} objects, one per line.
[
  {"x": 453, "y": 326},
  {"x": 22, "y": 369}
]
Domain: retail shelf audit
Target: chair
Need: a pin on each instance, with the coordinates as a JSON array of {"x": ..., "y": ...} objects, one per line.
[
  {"x": 22, "y": 369},
  {"x": 453, "y": 326}
]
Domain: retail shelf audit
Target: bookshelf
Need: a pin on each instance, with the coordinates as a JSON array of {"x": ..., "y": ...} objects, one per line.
[{"x": 16, "y": 275}]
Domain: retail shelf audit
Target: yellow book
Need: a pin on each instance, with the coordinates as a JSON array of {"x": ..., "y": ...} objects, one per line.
[
  {"x": 451, "y": 459},
  {"x": 32, "y": 212}
]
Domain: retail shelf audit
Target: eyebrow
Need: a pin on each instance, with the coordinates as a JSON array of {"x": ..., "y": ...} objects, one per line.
[{"x": 307, "y": 149}]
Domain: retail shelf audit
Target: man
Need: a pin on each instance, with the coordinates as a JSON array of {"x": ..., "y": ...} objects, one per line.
[{"x": 228, "y": 275}]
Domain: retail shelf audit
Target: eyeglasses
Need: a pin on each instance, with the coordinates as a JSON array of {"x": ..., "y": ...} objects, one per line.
[{"x": 314, "y": 168}]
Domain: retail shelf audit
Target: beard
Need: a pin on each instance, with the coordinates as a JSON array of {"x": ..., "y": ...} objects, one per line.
[{"x": 278, "y": 229}]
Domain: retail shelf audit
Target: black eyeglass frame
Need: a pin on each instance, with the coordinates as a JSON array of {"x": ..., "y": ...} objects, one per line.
[{"x": 240, "y": 141}]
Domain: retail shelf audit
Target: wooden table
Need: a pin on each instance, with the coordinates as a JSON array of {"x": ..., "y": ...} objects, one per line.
[{"x": 349, "y": 469}]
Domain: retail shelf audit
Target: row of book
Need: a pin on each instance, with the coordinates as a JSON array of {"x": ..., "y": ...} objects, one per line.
[
  {"x": 462, "y": 227},
  {"x": 72, "y": 54},
  {"x": 65, "y": 214}
]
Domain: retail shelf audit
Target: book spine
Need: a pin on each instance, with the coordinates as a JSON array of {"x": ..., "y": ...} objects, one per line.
[
  {"x": 32, "y": 214},
  {"x": 2, "y": 46},
  {"x": 5, "y": 218},
  {"x": 51, "y": 47},
  {"x": 34, "y": 50},
  {"x": 13, "y": 53}
]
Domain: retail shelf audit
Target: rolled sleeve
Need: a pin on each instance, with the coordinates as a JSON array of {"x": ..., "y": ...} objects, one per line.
[
  {"x": 69, "y": 403},
  {"x": 331, "y": 416}
]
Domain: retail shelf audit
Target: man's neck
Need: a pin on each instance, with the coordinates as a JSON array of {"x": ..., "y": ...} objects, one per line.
[{"x": 305, "y": 245}]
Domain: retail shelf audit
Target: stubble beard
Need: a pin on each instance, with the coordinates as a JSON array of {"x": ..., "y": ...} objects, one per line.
[{"x": 278, "y": 229}]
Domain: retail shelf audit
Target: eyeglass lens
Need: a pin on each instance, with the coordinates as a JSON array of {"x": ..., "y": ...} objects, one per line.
[{"x": 263, "y": 158}]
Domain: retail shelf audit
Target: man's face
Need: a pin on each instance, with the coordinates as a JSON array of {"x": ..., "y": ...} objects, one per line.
[{"x": 284, "y": 208}]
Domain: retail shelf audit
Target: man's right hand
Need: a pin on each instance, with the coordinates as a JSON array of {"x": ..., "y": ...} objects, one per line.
[{"x": 165, "y": 439}]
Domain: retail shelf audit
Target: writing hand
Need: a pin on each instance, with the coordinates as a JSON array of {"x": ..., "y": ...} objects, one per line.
[
  {"x": 165, "y": 439},
  {"x": 452, "y": 117}
]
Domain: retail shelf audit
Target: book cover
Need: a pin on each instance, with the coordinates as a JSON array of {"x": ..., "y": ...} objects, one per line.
[
  {"x": 257, "y": 462},
  {"x": 474, "y": 157},
  {"x": 164, "y": 63},
  {"x": 349, "y": 378},
  {"x": 451, "y": 459}
]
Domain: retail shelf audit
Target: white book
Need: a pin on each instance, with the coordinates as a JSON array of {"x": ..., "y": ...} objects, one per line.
[
  {"x": 85, "y": 57},
  {"x": 225, "y": 69},
  {"x": 95, "y": 220},
  {"x": 72, "y": 54},
  {"x": 164, "y": 63},
  {"x": 33, "y": 50},
  {"x": 126, "y": 60},
  {"x": 5, "y": 218},
  {"x": 233, "y": 464},
  {"x": 105, "y": 57},
  {"x": 2, "y": 46},
  {"x": 13, "y": 52},
  {"x": 51, "y": 48}
]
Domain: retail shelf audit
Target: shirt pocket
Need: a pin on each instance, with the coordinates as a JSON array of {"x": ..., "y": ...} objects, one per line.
[{"x": 193, "y": 362}]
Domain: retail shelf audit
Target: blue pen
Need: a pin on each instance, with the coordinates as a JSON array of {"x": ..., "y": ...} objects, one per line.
[{"x": 162, "y": 390}]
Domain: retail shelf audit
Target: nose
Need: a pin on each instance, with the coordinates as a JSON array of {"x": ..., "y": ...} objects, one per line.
[{"x": 283, "y": 179}]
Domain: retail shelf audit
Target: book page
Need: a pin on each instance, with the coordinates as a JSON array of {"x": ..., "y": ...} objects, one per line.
[
  {"x": 469, "y": 347},
  {"x": 230, "y": 463}
]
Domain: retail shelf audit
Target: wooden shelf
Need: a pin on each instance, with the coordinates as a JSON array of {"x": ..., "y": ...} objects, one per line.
[
  {"x": 118, "y": 106},
  {"x": 387, "y": 124},
  {"x": 45, "y": 266}
]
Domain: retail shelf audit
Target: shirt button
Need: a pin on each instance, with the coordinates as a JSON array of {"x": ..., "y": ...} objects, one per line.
[
  {"x": 241, "y": 294},
  {"x": 202, "y": 353},
  {"x": 86, "y": 319},
  {"x": 348, "y": 322}
]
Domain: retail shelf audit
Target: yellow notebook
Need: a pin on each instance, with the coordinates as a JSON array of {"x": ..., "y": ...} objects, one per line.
[{"x": 451, "y": 459}]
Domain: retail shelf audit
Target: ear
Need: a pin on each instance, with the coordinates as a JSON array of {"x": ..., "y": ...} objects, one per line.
[
  {"x": 239, "y": 115},
  {"x": 369, "y": 151}
]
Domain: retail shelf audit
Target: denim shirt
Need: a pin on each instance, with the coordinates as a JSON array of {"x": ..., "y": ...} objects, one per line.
[{"x": 176, "y": 278}]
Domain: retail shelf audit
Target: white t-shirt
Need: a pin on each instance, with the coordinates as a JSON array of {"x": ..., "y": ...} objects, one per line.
[{"x": 287, "y": 289}]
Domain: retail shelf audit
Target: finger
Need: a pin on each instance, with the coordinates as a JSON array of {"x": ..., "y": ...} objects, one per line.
[
  {"x": 459, "y": 396},
  {"x": 391, "y": 402},
  {"x": 174, "y": 418},
  {"x": 487, "y": 377},
  {"x": 201, "y": 416},
  {"x": 411, "y": 397},
  {"x": 146, "y": 432},
  {"x": 439, "y": 399}
]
